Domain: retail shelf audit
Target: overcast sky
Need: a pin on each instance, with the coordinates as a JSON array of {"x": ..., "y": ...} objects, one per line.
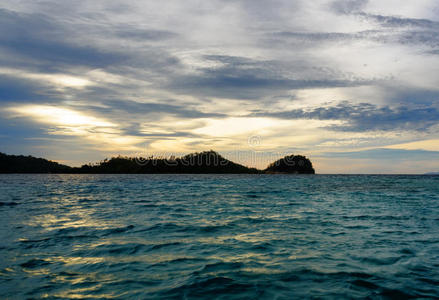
[{"x": 352, "y": 84}]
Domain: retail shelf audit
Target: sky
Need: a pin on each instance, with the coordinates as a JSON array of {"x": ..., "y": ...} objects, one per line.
[{"x": 351, "y": 84}]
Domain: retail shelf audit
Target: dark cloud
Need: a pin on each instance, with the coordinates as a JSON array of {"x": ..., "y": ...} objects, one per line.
[
  {"x": 267, "y": 11},
  {"x": 410, "y": 30},
  {"x": 304, "y": 40},
  {"x": 248, "y": 86},
  {"x": 50, "y": 45},
  {"x": 35, "y": 37},
  {"x": 314, "y": 36},
  {"x": 156, "y": 109},
  {"x": 21, "y": 90},
  {"x": 128, "y": 32},
  {"x": 393, "y": 21},
  {"x": 16, "y": 129},
  {"x": 243, "y": 78},
  {"x": 356, "y": 7},
  {"x": 348, "y": 6},
  {"x": 409, "y": 95},
  {"x": 427, "y": 38},
  {"x": 366, "y": 117},
  {"x": 312, "y": 40}
]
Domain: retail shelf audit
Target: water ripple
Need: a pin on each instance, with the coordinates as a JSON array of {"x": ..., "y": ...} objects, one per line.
[{"x": 218, "y": 236}]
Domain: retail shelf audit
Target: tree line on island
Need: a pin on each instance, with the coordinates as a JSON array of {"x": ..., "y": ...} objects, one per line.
[{"x": 207, "y": 162}]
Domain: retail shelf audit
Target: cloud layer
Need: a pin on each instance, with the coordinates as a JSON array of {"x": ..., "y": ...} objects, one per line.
[{"x": 311, "y": 76}]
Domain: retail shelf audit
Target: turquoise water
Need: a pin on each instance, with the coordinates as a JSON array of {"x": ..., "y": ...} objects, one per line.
[{"x": 218, "y": 236}]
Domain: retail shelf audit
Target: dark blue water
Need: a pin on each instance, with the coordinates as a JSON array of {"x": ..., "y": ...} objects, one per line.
[{"x": 218, "y": 236}]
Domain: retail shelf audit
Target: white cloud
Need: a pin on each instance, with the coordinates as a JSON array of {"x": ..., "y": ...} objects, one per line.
[{"x": 56, "y": 80}]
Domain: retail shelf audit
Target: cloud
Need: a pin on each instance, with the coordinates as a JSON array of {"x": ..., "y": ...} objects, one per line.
[
  {"x": 390, "y": 29},
  {"x": 398, "y": 22},
  {"x": 45, "y": 43},
  {"x": 128, "y": 32},
  {"x": 59, "y": 116},
  {"x": 366, "y": 117},
  {"x": 15, "y": 90},
  {"x": 315, "y": 36},
  {"x": 358, "y": 8},
  {"x": 236, "y": 77},
  {"x": 316, "y": 40},
  {"x": 33, "y": 37},
  {"x": 156, "y": 109},
  {"x": 348, "y": 6},
  {"x": 430, "y": 145},
  {"x": 67, "y": 122}
]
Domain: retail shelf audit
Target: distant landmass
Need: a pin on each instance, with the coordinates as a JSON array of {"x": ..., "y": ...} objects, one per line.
[
  {"x": 432, "y": 173},
  {"x": 297, "y": 164},
  {"x": 30, "y": 164},
  {"x": 207, "y": 162}
]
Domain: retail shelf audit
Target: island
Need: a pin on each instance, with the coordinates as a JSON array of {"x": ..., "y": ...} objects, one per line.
[
  {"x": 296, "y": 164},
  {"x": 206, "y": 162}
]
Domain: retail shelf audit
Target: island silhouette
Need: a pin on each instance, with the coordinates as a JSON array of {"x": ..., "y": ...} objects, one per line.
[{"x": 206, "y": 162}]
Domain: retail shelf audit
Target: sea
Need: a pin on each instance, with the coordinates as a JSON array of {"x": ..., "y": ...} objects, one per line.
[{"x": 219, "y": 236}]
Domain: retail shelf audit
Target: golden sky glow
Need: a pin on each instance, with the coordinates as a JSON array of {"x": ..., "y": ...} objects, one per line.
[{"x": 59, "y": 116}]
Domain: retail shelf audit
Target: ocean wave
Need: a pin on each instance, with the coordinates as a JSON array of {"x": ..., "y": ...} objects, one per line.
[{"x": 221, "y": 237}]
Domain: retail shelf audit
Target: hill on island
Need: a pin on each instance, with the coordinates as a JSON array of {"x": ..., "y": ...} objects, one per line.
[
  {"x": 30, "y": 164},
  {"x": 207, "y": 162},
  {"x": 296, "y": 164},
  {"x": 196, "y": 163}
]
